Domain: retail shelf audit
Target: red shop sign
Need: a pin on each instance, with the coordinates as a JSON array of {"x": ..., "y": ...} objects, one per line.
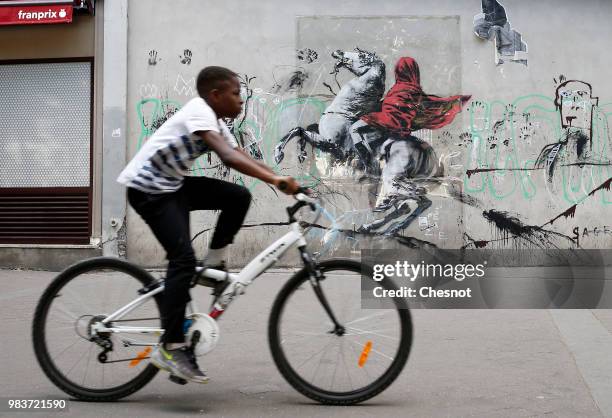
[{"x": 32, "y": 15}]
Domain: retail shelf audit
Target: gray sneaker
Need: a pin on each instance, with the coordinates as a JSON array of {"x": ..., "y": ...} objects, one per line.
[{"x": 180, "y": 362}]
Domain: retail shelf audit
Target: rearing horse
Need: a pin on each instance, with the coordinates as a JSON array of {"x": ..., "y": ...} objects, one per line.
[
  {"x": 359, "y": 96},
  {"x": 412, "y": 168}
]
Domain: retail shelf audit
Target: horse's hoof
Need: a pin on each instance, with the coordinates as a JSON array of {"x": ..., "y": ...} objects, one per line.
[
  {"x": 387, "y": 203},
  {"x": 381, "y": 208},
  {"x": 278, "y": 154},
  {"x": 302, "y": 156}
]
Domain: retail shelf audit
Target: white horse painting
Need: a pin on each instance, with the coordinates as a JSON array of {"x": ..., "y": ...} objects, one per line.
[
  {"x": 411, "y": 167},
  {"x": 359, "y": 96}
]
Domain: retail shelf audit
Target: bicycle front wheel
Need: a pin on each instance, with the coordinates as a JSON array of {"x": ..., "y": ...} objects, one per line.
[
  {"x": 338, "y": 366},
  {"x": 96, "y": 366}
]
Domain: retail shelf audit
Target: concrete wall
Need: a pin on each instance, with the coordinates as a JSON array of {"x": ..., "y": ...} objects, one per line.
[{"x": 514, "y": 176}]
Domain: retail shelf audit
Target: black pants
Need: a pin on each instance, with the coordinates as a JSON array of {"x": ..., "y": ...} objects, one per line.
[{"x": 168, "y": 216}]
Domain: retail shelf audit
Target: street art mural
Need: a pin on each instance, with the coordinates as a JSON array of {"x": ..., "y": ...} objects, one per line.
[
  {"x": 552, "y": 153},
  {"x": 563, "y": 140},
  {"x": 362, "y": 128},
  {"x": 493, "y": 24},
  {"x": 398, "y": 166}
]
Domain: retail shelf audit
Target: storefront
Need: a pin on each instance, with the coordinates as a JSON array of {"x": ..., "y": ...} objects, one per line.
[{"x": 48, "y": 124}]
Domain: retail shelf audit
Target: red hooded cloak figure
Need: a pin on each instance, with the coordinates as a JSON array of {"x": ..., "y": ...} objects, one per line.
[{"x": 406, "y": 108}]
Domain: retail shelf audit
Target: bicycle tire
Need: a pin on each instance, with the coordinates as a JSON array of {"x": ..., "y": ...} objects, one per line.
[
  {"x": 308, "y": 389},
  {"x": 39, "y": 333}
]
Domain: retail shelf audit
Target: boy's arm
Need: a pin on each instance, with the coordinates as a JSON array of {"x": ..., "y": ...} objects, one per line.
[
  {"x": 259, "y": 163},
  {"x": 233, "y": 158}
]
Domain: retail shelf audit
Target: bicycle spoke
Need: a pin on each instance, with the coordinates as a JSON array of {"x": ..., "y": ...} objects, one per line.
[
  {"x": 69, "y": 315},
  {"x": 335, "y": 369},
  {"x": 366, "y": 332},
  {"x": 365, "y": 318},
  {"x": 68, "y": 347},
  {"x": 72, "y": 295},
  {"x": 66, "y": 327},
  {"x": 310, "y": 358},
  {"x": 74, "y": 365},
  {"x": 88, "y": 361},
  {"x": 299, "y": 315},
  {"x": 303, "y": 335},
  {"x": 316, "y": 370}
]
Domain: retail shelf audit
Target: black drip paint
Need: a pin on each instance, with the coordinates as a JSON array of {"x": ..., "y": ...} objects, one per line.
[
  {"x": 506, "y": 222},
  {"x": 604, "y": 185},
  {"x": 512, "y": 228}
]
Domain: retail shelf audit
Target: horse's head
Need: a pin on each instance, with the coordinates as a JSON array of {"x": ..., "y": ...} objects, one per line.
[{"x": 358, "y": 61}]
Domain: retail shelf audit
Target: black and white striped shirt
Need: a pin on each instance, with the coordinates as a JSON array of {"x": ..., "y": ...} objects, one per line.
[{"x": 166, "y": 158}]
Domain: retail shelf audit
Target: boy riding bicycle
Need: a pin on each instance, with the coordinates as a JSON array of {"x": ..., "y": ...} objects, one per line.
[{"x": 162, "y": 193}]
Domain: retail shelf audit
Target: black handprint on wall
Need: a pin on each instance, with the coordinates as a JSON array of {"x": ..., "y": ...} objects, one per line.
[
  {"x": 152, "y": 57},
  {"x": 186, "y": 57}
]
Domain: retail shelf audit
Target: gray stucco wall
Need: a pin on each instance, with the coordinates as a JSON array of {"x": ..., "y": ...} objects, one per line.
[{"x": 500, "y": 133}]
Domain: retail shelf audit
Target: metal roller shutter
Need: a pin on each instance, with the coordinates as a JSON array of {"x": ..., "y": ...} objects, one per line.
[{"x": 45, "y": 152}]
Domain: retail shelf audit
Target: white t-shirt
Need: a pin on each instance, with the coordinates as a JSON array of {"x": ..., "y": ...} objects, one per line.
[{"x": 166, "y": 158}]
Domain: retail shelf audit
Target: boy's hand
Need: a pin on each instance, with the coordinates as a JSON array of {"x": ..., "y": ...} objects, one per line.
[{"x": 287, "y": 185}]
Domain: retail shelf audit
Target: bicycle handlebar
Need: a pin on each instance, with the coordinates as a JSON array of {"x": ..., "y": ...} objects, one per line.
[
  {"x": 303, "y": 197},
  {"x": 302, "y": 193},
  {"x": 283, "y": 185}
]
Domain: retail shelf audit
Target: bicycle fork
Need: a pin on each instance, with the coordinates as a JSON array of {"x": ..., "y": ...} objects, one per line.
[{"x": 315, "y": 277}]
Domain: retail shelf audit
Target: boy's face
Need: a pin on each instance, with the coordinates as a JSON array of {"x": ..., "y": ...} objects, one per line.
[{"x": 226, "y": 100}]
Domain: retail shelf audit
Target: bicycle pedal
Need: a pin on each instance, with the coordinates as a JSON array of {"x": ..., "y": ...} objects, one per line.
[{"x": 177, "y": 380}]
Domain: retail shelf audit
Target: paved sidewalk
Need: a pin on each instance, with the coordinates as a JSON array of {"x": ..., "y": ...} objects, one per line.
[{"x": 481, "y": 363}]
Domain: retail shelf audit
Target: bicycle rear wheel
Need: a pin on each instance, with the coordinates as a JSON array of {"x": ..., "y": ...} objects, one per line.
[
  {"x": 332, "y": 367},
  {"x": 75, "y": 360}
]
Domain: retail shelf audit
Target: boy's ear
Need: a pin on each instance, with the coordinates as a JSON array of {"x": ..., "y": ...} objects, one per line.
[{"x": 214, "y": 93}]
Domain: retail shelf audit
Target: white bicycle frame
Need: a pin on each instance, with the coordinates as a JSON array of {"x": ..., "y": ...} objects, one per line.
[{"x": 237, "y": 283}]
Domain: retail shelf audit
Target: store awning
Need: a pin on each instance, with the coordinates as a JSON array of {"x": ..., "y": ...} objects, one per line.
[{"x": 33, "y": 12}]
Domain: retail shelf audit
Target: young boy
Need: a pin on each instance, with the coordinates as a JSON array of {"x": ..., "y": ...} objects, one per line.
[{"x": 162, "y": 193}]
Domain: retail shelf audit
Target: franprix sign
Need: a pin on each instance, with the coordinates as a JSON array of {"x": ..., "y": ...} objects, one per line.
[{"x": 32, "y": 15}]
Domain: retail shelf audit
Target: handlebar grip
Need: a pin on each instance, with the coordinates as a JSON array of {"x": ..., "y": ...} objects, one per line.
[{"x": 283, "y": 185}]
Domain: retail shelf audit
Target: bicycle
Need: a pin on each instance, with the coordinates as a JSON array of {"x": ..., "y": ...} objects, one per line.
[{"x": 329, "y": 351}]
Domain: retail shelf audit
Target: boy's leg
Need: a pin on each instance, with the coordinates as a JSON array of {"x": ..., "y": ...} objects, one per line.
[
  {"x": 168, "y": 217},
  {"x": 213, "y": 194}
]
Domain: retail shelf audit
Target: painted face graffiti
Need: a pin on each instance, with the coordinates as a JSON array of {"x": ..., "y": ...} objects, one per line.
[{"x": 575, "y": 103}]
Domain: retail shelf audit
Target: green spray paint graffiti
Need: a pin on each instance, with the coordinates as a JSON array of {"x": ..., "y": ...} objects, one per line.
[
  {"x": 261, "y": 127},
  {"x": 505, "y": 139}
]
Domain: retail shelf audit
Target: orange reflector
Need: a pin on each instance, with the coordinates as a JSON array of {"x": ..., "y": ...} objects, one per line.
[
  {"x": 365, "y": 353},
  {"x": 140, "y": 357}
]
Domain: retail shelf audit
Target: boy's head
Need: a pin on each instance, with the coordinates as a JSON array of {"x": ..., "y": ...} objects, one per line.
[{"x": 220, "y": 88}]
